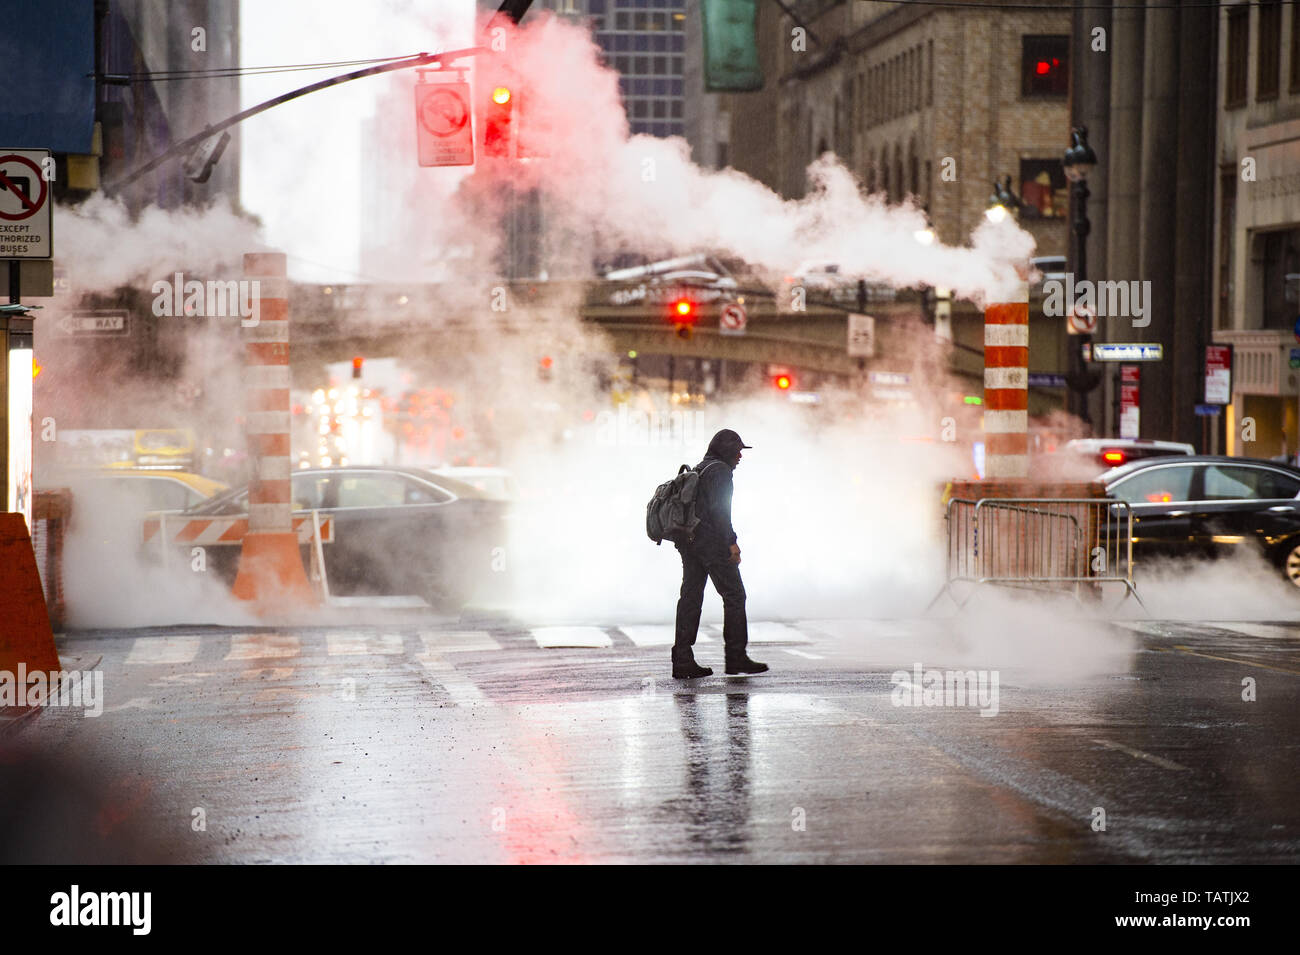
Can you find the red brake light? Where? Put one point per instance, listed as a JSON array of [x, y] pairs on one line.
[[1113, 457]]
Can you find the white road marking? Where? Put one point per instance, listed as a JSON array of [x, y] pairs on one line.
[[135, 703], [159, 651], [462, 690], [347, 643], [1266, 630], [554, 637], [260, 646], [803, 653], [1139, 754], [763, 631], [651, 635], [457, 641]]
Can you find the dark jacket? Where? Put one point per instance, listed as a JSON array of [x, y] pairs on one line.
[[714, 535]]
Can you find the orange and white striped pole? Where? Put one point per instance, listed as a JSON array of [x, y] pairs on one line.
[[1006, 387], [271, 572]]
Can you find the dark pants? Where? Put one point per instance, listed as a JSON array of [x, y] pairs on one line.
[[726, 580]]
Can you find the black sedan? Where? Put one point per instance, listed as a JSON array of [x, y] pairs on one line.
[[1207, 506], [396, 531]]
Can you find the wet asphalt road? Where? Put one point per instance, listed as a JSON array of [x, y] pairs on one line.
[[432, 741]]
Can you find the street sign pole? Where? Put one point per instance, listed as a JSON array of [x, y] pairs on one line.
[[25, 213]]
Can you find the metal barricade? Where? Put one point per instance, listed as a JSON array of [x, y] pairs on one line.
[[1076, 545]]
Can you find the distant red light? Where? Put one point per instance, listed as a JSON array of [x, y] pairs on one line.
[[683, 309], [1113, 457], [547, 362], [783, 382], [1041, 67]]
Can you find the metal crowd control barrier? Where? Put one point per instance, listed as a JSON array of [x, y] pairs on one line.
[[1076, 545]]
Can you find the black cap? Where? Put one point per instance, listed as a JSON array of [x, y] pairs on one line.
[[727, 442]]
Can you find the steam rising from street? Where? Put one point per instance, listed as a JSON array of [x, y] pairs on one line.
[[836, 513]]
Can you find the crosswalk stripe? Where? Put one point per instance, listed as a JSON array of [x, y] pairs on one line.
[[351, 643], [767, 632], [261, 646], [651, 635], [554, 637], [457, 641], [163, 650], [1267, 630], [462, 690]]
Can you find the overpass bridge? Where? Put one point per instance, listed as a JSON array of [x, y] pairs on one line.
[[334, 323]]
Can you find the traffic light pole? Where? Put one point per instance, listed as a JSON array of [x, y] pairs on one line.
[[510, 10]]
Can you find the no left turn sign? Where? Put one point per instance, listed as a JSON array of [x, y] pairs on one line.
[[1081, 320], [25, 222], [732, 319]]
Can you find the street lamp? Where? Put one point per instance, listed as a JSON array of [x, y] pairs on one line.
[[1003, 203], [1078, 161]]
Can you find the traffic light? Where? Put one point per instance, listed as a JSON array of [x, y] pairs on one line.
[[783, 381], [544, 368], [498, 123], [356, 366], [683, 315]]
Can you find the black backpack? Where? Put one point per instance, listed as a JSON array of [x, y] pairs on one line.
[[670, 515]]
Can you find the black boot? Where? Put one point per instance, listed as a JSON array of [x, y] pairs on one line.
[[744, 666], [685, 667]]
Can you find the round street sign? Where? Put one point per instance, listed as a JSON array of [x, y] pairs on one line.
[[443, 111], [1081, 320], [732, 319], [20, 188]]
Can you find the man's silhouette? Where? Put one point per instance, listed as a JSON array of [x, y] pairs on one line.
[[712, 553]]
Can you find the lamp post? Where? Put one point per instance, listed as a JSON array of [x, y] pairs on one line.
[[1078, 162], [1003, 202]]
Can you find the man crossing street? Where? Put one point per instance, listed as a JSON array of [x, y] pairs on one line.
[[713, 554]]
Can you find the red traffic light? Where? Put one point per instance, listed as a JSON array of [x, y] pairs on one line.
[[782, 382], [356, 366], [498, 139]]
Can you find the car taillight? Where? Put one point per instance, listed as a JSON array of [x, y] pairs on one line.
[[1113, 457]]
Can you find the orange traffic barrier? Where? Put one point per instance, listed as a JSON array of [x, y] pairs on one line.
[[271, 573], [25, 634]]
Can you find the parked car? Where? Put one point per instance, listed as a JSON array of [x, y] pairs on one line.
[[1112, 452], [1209, 506], [496, 483], [396, 531], [141, 490]]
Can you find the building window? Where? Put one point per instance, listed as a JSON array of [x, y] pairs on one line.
[[1043, 190], [1281, 278], [1295, 51], [1234, 91], [1268, 60], [1045, 65], [929, 66]]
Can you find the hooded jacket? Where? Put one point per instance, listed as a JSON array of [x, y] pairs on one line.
[[715, 535]]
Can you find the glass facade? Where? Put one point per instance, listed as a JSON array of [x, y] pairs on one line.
[[644, 41]]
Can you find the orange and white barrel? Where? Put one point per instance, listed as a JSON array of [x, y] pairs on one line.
[[270, 567], [1006, 388]]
